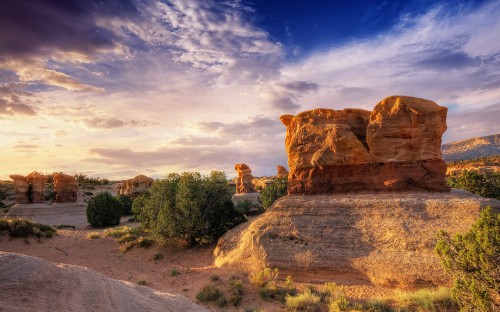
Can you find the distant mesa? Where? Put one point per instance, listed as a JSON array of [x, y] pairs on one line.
[[472, 148], [395, 147], [135, 187], [66, 188]]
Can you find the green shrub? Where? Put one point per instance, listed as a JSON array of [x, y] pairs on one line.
[[305, 301], [157, 256], [278, 188], [483, 184], [127, 204], [243, 206], [104, 210], [142, 282], [210, 293], [190, 207], [174, 272], [18, 227], [474, 260], [236, 286]]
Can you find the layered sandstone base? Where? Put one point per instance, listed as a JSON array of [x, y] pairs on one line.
[[417, 175], [73, 214], [380, 238]]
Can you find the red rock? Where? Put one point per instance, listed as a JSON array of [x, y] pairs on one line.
[[244, 180], [282, 172], [65, 187], [37, 181], [21, 187], [136, 186]]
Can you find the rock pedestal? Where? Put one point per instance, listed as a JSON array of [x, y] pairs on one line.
[[30, 189], [65, 187], [244, 179], [396, 147], [21, 188]]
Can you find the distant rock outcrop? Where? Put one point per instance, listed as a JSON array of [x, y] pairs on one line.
[[135, 187], [244, 179], [282, 172], [30, 189], [472, 148], [33, 284], [385, 238], [65, 187], [396, 147]]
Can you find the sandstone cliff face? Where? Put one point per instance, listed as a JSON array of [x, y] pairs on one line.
[[244, 179], [65, 187], [135, 187], [385, 238], [394, 148]]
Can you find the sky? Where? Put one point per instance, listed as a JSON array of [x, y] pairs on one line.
[[112, 88]]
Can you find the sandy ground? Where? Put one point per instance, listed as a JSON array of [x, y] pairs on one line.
[[195, 266]]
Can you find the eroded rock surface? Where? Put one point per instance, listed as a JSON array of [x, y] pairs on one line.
[[30, 189], [396, 147], [244, 180], [282, 172], [21, 187], [136, 186], [65, 187]]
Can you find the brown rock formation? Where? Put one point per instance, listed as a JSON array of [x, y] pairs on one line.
[[282, 172], [394, 148], [136, 186], [65, 187], [244, 179], [37, 181], [21, 187], [384, 238], [30, 189]]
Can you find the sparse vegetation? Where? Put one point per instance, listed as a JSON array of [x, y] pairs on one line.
[[436, 300], [127, 204], [214, 278], [104, 210], [93, 235], [174, 272], [474, 260], [84, 181], [157, 256], [267, 281], [305, 301], [18, 227], [142, 282], [130, 237], [210, 293], [277, 189], [190, 207], [484, 184], [236, 287]]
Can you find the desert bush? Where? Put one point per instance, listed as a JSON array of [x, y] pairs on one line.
[[264, 277], [157, 256], [236, 287], [278, 188], [142, 282], [474, 260], [126, 202], [174, 272], [305, 301], [435, 300], [130, 237], [214, 278], [210, 293], [484, 184], [85, 181], [103, 210], [18, 227], [190, 207]]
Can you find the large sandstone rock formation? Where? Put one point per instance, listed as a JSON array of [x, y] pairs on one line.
[[136, 186], [282, 172], [396, 147], [30, 189], [244, 179], [65, 187], [384, 238], [32, 284]]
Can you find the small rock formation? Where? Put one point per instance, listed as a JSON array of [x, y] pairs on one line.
[[396, 147], [282, 172], [30, 189], [65, 187], [135, 187], [244, 179], [21, 187]]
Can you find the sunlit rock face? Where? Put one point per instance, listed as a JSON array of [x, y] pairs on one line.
[[66, 188], [282, 172], [244, 180], [30, 189], [396, 147], [136, 186]]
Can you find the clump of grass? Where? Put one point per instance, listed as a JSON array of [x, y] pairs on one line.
[[142, 282], [18, 227], [174, 272], [236, 286], [305, 301], [214, 278], [93, 235], [157, 256], [438, 299], [267, 280], [129, 237], [210, 293], [264, 277]]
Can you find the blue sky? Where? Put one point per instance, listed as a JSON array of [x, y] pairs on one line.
[[117, 88]]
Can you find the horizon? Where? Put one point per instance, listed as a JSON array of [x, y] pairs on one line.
[[114, 89]]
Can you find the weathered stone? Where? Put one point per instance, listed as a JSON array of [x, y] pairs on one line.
[[282, 172], [396, 149], [244, 179], [136, 186], [37, 181], [21, 187], [65, 187], [383, 238]]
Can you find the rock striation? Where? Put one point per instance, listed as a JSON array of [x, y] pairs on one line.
[[135, 187], [66, 188], [30, 189], [244, 179], [395, 147], [385, 238]]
